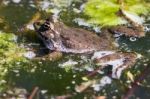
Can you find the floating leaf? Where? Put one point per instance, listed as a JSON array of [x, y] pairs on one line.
[[85, 78], [141, 9], [130, 76], [105, 12]]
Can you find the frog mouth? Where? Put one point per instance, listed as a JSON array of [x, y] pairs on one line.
[[47, 42]]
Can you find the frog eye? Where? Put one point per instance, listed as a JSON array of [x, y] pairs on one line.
[[46, 26]]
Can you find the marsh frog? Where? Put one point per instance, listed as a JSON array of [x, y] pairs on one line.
[[59, 37]]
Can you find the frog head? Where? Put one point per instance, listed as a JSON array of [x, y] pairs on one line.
[[46, 32]]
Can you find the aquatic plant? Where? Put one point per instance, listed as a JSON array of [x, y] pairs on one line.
[[11, 56], [106, 12]]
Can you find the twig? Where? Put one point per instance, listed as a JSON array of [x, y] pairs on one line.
[[93, 73], [33, 93], [139, 79], [133, 23]]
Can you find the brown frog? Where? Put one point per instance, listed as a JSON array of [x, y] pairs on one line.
[[128, 31], [59, 37]]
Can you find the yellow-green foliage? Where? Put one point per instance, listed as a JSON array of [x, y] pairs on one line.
[[9, 50], [136, 6], [10, 56], [104, 12]]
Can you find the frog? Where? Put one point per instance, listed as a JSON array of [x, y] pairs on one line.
[[128, 31], [57, 36]]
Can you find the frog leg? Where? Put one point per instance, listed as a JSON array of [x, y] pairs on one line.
[[119, 61], [117, 70]]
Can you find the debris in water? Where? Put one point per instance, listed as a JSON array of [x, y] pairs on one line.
[[68, 87], [97, 29], [16, 1], [74, 76], [130, 76], [76, 10], [82, 7], [102, 97], [55, 12], [96, 87], [85, 78], [29, 54], [132, 39], [89, 68], [5, 2], [44, 91], [84, 85], [45, 4], [73, 82], [81, 22], [104, 81], [68, 63]]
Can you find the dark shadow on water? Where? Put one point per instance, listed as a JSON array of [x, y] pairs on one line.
[[16, 15], [47, 76]]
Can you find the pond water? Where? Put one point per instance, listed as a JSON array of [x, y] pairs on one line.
[[50, 75]]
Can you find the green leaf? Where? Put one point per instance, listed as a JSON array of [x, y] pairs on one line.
[[139, 9], [104, 12]]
